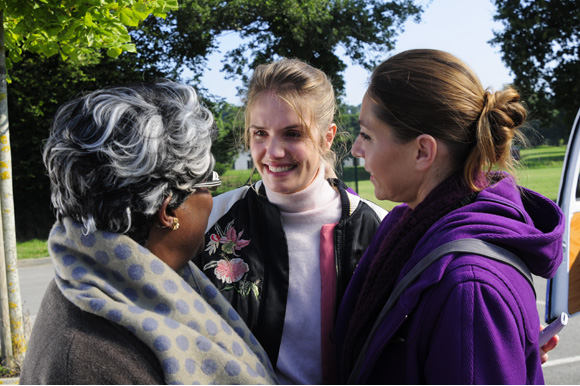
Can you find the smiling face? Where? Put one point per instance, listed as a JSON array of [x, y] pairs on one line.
[[283, 154], [390, 162]]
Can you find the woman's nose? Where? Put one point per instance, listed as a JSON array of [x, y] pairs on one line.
[[275, 148], [357, 149]]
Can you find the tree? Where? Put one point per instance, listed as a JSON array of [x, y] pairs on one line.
[[31, 115], [230, 121], [53, 82], [76, 30], [540, 43], [165, 47], [348, 129], [310, 30]]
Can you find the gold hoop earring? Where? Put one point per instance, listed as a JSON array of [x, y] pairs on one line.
[[175, 223]]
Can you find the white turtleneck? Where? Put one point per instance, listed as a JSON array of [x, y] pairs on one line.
[[303, 215]]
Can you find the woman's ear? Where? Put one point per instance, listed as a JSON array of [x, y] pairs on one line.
[[330, 134], [165, 215], [425, 151]]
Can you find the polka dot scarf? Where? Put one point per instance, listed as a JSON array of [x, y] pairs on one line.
[[192, 329]]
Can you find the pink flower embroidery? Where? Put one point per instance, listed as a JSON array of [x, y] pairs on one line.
[[231, 271], [233, 241]]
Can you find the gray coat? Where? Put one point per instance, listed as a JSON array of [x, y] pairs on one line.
[[71, 346]]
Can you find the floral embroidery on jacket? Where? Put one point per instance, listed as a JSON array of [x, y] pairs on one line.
[[231, 271]]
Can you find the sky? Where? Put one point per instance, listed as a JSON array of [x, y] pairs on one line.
[[461, 27]]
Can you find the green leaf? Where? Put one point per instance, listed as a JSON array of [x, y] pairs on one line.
[[129, 47], [171, 5], [49, 49], [141, 11], [114, 52], [89, 20], [127, 18], [90, 39], [67, 50]]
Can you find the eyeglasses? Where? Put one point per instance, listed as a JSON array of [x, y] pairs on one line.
[[210, 183]]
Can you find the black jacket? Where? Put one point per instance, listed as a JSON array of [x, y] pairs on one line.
[[259, 254]]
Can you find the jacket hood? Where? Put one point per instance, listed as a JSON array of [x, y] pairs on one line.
[[518, 219]]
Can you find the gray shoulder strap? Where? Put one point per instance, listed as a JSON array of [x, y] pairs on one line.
[[475, 246]]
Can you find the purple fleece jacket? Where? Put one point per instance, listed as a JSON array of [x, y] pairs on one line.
[[467, 319]]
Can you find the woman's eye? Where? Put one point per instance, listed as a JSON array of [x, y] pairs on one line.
[[364, 136], [259, 133], [294, 134]]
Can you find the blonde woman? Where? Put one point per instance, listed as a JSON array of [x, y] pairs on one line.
[[283, 250]]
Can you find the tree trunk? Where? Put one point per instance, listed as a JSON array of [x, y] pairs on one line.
[[7, 206], [5, 330]]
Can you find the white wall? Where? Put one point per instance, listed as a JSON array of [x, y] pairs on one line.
[[243, 162]]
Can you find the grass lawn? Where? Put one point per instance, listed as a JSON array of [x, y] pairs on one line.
[[543, 180], [367, 191], [541, 171], [233, 179], [32, 249]]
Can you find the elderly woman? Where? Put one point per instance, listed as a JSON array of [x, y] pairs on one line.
[[130, 168]]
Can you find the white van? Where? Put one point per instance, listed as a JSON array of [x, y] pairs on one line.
[[563, 293]]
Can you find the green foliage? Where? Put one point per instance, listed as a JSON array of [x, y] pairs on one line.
[[227, 145], [76, 30], [40, 85], [554, 132], [348, 129], [541, 172], [540, 44], [90, 34], [6, 372], [176, 43], [38, 34], [310, 30], [350, 174]]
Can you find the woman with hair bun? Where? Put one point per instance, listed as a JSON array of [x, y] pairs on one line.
[[433, 138]]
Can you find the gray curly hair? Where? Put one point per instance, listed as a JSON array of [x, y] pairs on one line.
[[113, 155]]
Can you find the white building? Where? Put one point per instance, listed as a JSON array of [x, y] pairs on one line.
[[244, 161]]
